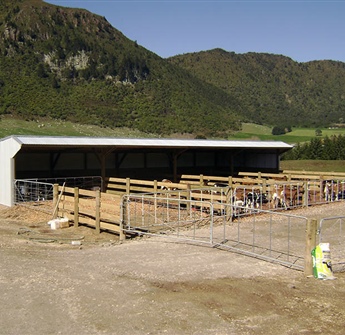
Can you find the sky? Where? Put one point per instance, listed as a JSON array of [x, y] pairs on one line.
[[301, 30]]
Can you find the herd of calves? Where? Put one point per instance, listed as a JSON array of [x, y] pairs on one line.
[[284, 196]]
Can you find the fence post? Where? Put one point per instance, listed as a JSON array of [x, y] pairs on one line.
[[76, 207], [188, 196], [55, 199], [122, 218], [305, 196], [128, 185], [229, 202], [264, 186], [98, 209], [309, 246]]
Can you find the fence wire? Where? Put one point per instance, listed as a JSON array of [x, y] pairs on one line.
[[32, 191]]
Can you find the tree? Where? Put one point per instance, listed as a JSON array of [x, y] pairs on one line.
[[318, 132], [315, 149], [278, 130]]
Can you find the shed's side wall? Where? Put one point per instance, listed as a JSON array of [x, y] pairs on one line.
[[8, 150]]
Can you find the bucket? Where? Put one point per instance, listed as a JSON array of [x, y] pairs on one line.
[[322, 265]]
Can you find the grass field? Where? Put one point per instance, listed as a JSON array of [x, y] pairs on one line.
[[313, 165], [297, 135], [250, 131], [10, 126]]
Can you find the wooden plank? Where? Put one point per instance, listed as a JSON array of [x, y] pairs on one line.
[[87, 211], [190, 176], [110, 197], [87, 221], [69, 190], [110, 216], [116, 180], [121, 188], [110, 226], [68, 198], [87, 202], [110, 207], [68, 206], [87, 193], [190, 182]]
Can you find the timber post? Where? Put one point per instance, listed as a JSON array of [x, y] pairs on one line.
[[55, 199], [76, 207], [310, 244], [98, 210]]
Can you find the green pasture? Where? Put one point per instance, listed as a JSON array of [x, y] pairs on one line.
[[297, 135], [10, 126], [313, 165]]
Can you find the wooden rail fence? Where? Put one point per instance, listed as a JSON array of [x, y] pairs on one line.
[[102, 210]]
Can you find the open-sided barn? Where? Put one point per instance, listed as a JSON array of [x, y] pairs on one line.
[[32, 157]]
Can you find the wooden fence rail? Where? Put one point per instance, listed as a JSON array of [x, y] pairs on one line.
[[102, 210], [91, 208]]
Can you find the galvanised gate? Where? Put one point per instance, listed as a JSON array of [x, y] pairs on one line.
[[272, 235]]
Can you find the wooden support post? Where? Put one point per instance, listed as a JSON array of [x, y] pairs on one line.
[[188, 191], [56, 206], [122, 234], [98, 211], [310, 244], [128, 185], [122, 218], [228, 208], [76, 207], [305, 196], [55, 199], [155, 189], [201, 180]]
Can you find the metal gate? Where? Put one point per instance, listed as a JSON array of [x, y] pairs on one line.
[[269, 235], [331, 230]]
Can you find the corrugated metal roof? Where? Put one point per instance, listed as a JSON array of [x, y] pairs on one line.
[[144, 142]]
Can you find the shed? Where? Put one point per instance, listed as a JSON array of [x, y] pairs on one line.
[[29, 157]]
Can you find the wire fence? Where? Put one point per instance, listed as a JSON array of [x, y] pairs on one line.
[[41, 189]]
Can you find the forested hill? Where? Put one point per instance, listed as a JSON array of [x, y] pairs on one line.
[[70, 64], [274, 89]]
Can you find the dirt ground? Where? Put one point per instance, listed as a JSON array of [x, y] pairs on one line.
[[72, 281]]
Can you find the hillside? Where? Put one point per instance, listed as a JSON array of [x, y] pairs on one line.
[[67, 64], [70, 64], [274, 89]]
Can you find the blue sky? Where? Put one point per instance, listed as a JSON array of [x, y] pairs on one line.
[[301, 30]]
